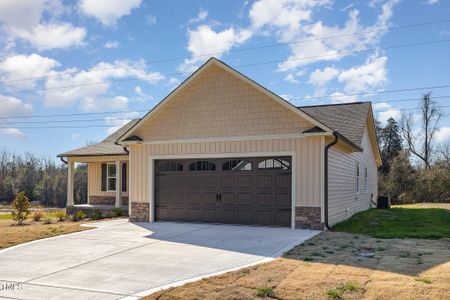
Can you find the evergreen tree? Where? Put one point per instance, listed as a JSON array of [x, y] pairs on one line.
[[391, 144]]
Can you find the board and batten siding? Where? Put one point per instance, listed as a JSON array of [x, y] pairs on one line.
[[308, 160], [95, 180], [343, 200]]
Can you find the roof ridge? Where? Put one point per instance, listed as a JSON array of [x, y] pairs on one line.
[[335, 104]]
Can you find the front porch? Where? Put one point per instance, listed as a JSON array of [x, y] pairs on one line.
[[107, 183]]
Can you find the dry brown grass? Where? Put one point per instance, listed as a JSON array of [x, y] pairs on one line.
[[399, 269], [11, 234]]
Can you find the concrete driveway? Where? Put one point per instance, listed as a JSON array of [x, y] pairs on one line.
[[120, 259]]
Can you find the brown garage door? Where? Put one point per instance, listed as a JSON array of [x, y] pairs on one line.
[[253, 191]]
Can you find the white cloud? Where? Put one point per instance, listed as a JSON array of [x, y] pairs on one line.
[[111, 45], [76, 136], [25, 66], [13, 107], [381, 106], [201, 16], [108, 11], [204, 41], [117, 121], [431, 2], [13, 132], [443, 134], [292, 20], [101, 104], [320, 77], [84, 90], [366, 77], [141, 95], [22, 20], [291, 78]]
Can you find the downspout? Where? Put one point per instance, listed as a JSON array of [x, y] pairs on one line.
[[328, 146], [63, 160]]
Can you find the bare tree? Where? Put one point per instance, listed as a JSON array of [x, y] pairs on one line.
[[419, 139]]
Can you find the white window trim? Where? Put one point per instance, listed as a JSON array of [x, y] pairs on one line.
[[108, 177]]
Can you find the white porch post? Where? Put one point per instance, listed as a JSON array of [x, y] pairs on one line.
[[70, 167], [118, 183]]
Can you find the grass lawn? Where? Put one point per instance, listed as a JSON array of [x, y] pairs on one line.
[[332, 265], [399, 222], [11, 234], [342, 265]]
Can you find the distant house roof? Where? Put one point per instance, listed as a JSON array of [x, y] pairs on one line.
[[347, 119], [105, 147]]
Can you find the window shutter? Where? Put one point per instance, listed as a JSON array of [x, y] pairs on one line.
[[103, 177], [124, 177]]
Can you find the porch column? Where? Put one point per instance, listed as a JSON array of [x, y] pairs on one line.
[[70, 167], [118, 183]]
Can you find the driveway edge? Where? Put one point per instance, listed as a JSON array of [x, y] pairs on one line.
[[272, 257]]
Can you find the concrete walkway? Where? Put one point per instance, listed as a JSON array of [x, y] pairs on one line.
[[120, 259]]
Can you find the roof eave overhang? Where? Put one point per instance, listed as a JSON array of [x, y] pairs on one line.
[[224, 66]]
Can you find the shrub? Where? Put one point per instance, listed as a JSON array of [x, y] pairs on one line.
[[117, 212], [107, 214], [21, 208], [96, 214], [61, 216], [48, 221], [265, 292], [38, 215], [79, 215]]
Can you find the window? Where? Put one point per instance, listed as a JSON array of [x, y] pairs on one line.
[[366, 180], [357, 177], [202, 165], [111, 177], [237, 165], [170, 166], [274, 164]]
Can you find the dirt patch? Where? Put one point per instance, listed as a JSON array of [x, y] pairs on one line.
[[336, 265], [12, 234]]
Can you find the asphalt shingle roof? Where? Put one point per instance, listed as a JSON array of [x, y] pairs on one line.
[[105, 147], [348, 119]]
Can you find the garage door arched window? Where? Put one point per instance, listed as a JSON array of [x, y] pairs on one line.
[[274, 164], [237, 165], [170, 166], [202, 165]]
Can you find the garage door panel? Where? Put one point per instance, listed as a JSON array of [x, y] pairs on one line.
[[283, 200], [283, 181], [244, 199], [264, 181], [234, 194], [245, 181], [264, 199], [227, 181]]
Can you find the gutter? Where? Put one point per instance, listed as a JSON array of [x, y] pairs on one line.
[[63, 160], [334, 142]]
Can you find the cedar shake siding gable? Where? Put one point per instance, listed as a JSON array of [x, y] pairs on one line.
[[218, 104], [217, 101]]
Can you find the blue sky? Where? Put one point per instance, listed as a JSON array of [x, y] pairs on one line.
[[54, 53]]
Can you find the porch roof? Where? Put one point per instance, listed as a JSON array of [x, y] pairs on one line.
[[107, 147]]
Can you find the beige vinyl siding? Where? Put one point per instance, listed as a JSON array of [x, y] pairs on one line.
[[309, 151], [219, 104], [343, 200], [95, 180]]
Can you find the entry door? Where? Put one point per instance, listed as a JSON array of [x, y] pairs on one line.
[[250, 191]]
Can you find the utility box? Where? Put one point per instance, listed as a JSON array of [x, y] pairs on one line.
[[384, 202]]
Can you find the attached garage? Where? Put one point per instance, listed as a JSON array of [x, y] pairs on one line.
[[245, 190]]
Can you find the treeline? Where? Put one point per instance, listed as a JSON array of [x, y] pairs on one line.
[[415, 168], [41, 179]]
